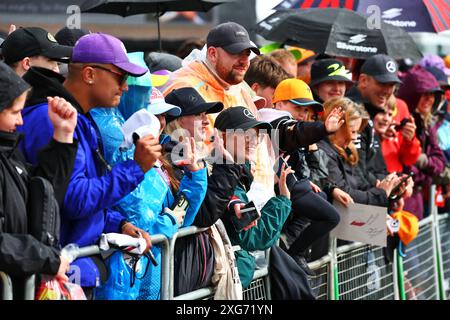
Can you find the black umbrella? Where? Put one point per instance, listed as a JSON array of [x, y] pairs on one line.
[[337, 32], [159, 7]]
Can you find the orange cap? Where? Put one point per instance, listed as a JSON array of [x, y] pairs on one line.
[[447, 60], [301, 54], [297, 92], [409, 226]]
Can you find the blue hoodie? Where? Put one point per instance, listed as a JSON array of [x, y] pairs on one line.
[[93, 190]]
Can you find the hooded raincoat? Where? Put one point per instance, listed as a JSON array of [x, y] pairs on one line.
[[416, 82]]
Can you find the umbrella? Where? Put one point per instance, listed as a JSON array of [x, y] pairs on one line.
[[159, 7], [414, 16], [337, 32]]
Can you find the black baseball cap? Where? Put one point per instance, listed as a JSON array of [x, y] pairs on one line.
[[191, 102], [12, 86], [33, 41], [68, 37], [239, 118], [329, 70], [382, 67], [231, 37]]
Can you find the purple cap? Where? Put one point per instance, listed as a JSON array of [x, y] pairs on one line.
[[432, 60], [103, 48]]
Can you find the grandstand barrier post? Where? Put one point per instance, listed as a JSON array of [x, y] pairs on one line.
[[267, 277], [7, 289], [29, 287], [395, 273], [334, 286], [444, 243], [436, 241], [401, 277]]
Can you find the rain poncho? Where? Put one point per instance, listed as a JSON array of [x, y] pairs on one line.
[[144, 206]]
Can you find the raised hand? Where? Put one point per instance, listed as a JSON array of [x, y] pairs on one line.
[[190, 159], [147, 151], [221, 152], [282, 185], [63, 116], [334, 120], [409, 129]]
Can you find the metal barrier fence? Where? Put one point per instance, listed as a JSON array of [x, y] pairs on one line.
[[352, 272], [321, 283], [444, 236], [259, 288], [419, 266], [363, 273]]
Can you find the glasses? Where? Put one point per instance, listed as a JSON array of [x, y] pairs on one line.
[[122, 76]]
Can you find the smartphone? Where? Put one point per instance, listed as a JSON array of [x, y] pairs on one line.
[[249, 213], [393, 195], [402, 123], [291, 178], [180, 204]]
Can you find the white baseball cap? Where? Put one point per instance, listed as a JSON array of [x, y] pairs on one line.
[[158, 105], [142, 123]]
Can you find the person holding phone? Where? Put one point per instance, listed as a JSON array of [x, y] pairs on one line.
[[239, 130]]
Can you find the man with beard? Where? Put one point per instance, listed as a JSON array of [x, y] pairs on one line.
[[219, 76], [376, 83]]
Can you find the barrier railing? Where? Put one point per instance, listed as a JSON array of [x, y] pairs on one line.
[[352, 272], [363, 273], [6, 284], [444, 236], [259, 288]]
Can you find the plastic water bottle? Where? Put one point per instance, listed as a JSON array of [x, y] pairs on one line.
[[70, 252]]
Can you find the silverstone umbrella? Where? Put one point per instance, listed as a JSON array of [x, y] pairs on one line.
[[337, 32], [413, 16], [159, 7]]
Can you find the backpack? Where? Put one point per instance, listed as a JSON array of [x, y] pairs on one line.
[[43, 212]]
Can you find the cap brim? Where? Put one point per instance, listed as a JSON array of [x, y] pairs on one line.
[[208, 107], [159, 108], [332, 78], [255, 124], [236, 48], [307, 103], [58, 53], [387, 78], [131, 68]]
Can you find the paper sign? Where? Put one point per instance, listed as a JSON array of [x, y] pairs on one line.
[[361, 223]]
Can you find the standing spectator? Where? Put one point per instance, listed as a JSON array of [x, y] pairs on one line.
[[305, 59], [286, 60], [220, 77], [343, 157], [422, 93], [329, 79], [263, 76], [27, 47], [94, 79], [239, 130], [401, 148], [376, 83], [21, 254]]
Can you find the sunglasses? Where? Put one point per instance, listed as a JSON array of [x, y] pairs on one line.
[[122, 76]]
